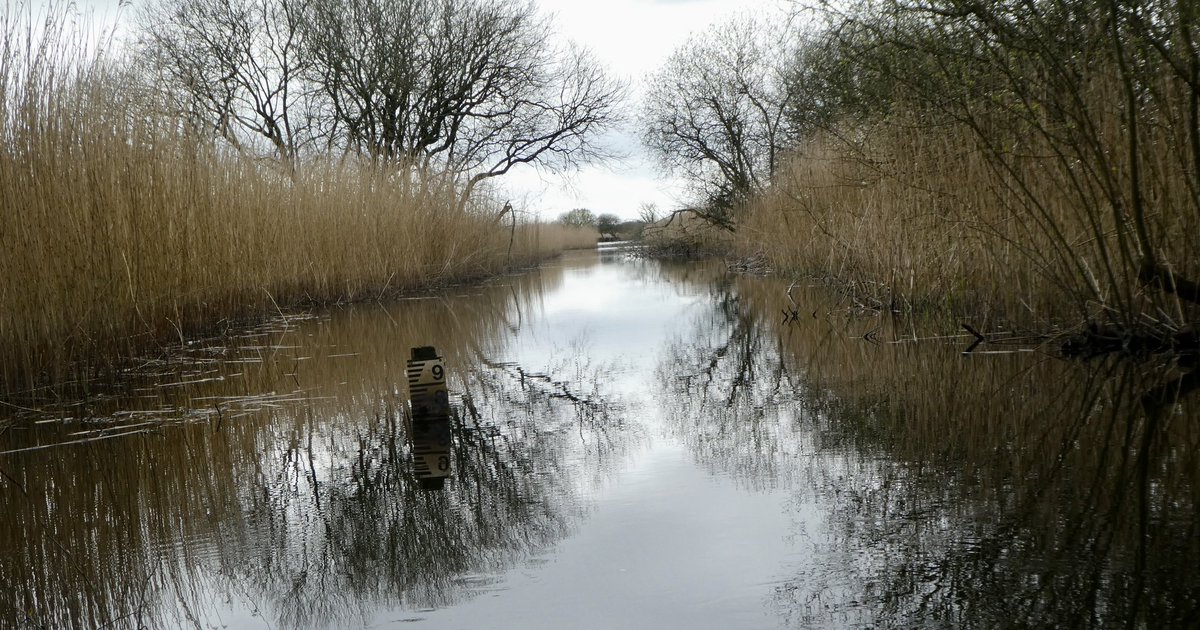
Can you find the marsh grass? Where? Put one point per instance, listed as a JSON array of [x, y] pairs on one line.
[[121, 230], [684, 234], [1000, 203], [542, 239], [888, 228]]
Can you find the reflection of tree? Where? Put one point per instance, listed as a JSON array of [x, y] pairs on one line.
[[382, 541], [727, 391], [364, 534], [565, 399], [302, 505], [1011, 490]]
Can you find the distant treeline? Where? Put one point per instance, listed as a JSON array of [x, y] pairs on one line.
[[1021, 161]]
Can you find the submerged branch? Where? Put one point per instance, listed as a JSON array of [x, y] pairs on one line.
[[1157, 275]]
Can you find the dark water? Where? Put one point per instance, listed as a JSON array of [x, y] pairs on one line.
[[633, 445]]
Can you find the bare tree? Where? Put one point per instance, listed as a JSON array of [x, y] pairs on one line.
[[716, 112], [470, 88], [463, 88], [233, 67], [648, 212], [1102, 94], [607, 224], [579, 217]]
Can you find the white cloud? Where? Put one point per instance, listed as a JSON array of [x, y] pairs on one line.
[[632, 38]]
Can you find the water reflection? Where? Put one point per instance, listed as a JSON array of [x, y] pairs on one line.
[[957, 491], [1071, 507], [269, 476], [728, 391]]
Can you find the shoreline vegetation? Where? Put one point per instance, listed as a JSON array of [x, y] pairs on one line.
[[1029, 166], [125, 230]]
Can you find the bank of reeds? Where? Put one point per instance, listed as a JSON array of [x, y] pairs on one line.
[[121, 230], [1034, 183], [685, 234], [921, 218], [898, 225]]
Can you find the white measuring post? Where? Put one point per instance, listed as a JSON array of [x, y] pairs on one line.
[[429, 429]]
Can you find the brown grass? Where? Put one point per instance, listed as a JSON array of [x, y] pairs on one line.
[[915, 211], [121, 231], [884, 226], [551, 238], [685, 234]]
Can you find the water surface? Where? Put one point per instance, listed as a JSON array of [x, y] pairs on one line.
[[634, 444]]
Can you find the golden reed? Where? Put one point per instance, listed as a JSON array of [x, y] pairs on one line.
[[121, 230]]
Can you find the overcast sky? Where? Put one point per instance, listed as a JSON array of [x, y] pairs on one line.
[[631, 38]]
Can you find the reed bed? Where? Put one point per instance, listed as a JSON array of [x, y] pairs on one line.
[[122, 230], [889, 228], [1000, 220], [545, 239], [685, 234]]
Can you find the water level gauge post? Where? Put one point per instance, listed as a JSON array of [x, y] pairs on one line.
[[429, 429]]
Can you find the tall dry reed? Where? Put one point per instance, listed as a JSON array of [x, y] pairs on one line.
[[887, 225], [918, 216], [120, 230], [1032, 182]]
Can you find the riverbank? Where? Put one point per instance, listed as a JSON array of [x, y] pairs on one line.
[[981, 161], [157, 243], [124, 229], [893, 227]]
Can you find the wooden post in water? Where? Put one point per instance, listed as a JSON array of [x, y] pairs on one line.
[[429, 418]]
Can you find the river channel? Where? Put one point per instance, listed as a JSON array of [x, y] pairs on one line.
[[631, 444]]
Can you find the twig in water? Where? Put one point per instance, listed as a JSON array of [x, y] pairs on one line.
[[379, 297], [978, 338]]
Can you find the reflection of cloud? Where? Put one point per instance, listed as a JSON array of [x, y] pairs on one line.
[[278, 483], [600, 303]]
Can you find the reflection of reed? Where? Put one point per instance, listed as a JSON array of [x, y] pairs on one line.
[[960, 491], [1043, 511], [292, 494], [1001, 490]]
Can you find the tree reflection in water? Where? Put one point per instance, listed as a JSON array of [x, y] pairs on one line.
[[278, 481], [986, 491], [980, 491], [381, 541], [729, 394]]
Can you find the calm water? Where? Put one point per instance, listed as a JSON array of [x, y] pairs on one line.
[[633, 445]]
